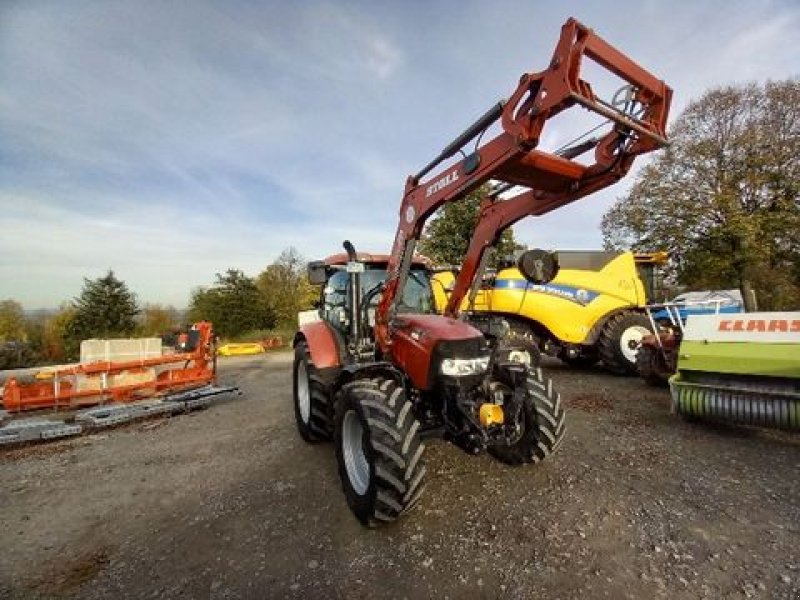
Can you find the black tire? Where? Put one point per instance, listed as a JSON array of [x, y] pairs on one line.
[[520, 339], [651, 366], [312, 413], [543, 423], [616, 344], [392, 471]]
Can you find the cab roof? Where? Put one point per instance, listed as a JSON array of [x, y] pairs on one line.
[[374, 259]]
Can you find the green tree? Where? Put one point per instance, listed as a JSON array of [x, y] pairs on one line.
[[448, 234], [233, 304], [12, 321], [156, 320], [106, 308], [285, 287], [57, 344], [723, 198]]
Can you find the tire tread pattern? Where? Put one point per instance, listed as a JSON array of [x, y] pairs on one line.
[[393, 446], [320, 425], [608, 344], [544, 424]]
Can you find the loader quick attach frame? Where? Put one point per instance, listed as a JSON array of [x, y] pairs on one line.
[[636, 126]]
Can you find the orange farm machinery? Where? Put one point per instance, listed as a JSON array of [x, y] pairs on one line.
[[131, 381]]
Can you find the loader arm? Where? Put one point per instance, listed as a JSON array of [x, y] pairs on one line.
[[512, 159]]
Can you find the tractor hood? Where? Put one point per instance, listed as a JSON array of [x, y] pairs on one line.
[[435, 327], [417, 338]]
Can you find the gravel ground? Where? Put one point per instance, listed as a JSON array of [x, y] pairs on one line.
[[230, 503]]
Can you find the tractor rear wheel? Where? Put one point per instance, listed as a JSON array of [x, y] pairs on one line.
[[620, 340], [542, 422], [312, 411], [378, 450]]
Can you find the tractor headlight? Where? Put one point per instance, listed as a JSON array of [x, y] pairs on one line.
[[459, 367]]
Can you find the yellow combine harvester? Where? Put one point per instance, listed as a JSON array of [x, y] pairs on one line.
[[593, 310]]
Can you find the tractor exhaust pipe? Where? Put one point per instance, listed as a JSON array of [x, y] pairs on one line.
[[354, 272]]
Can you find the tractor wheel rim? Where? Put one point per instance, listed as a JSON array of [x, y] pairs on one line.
[[355, 461], [303, 393], [629, 342]]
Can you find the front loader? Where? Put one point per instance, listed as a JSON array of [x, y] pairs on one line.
[[381, 371]]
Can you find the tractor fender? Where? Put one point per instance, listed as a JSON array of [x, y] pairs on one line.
[[322, 344], [380, 368]]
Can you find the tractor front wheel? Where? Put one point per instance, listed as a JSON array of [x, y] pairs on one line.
[[542, 422], [378, 450]]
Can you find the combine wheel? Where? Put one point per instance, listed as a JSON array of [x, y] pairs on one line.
[[652, 366], [542, 423], [378, 450], [311, 401], [521, 345], [620, 341]]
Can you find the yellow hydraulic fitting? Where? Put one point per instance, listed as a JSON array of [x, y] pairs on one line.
[[491, 414]]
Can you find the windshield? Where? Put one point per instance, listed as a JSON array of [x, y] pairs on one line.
[[416, 297]]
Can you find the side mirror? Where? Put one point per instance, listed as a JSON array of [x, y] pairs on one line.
[[317, 272], [538, 266]]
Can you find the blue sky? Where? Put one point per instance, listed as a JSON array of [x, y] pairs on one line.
[[171, 140]]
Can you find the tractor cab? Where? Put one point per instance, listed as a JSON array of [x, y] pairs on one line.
[[336, 298]]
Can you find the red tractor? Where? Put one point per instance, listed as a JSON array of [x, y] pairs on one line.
[[380, 371]]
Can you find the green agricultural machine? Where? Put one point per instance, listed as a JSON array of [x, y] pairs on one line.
[[742, 369]]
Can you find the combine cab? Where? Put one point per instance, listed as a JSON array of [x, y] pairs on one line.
[[742, 369]]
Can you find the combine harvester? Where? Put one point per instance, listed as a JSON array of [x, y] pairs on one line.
[[593, 310], [742, 369], [115, 382]]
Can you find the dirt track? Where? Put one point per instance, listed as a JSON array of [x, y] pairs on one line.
[[230, 503]]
